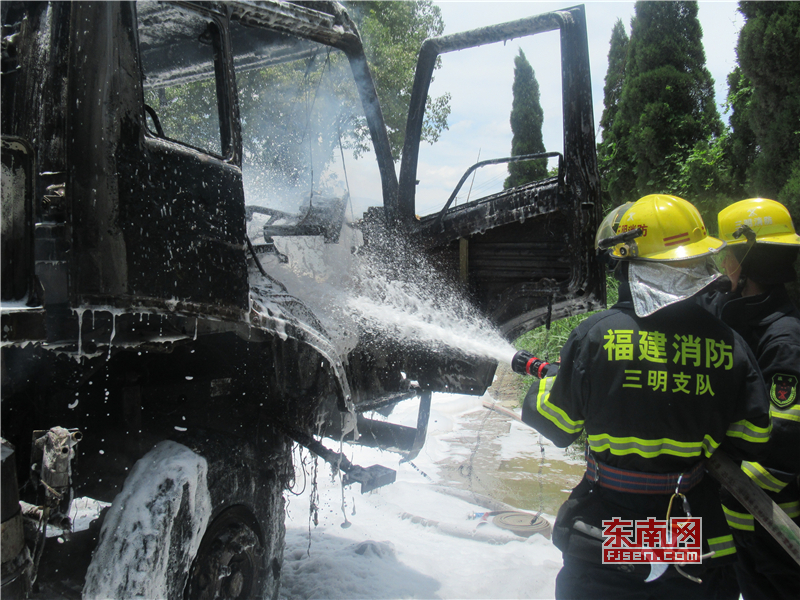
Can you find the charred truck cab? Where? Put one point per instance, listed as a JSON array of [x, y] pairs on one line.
[[170, 213]]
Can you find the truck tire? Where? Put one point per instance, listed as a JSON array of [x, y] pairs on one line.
[[229, 563], [154, 527], [241, 553], [195, 520]]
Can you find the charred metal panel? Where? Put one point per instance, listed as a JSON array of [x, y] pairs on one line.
[[507, 207], [34, 109], [17, 218], [125, 401], [375, 370], [34, 90], [102, 105], [323, 22], [523, 262], [182, 215], [22, 318], [453, 372]]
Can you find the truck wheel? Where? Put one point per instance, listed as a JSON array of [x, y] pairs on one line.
[[229, 563], [241, 551], [194, 521], [154, 527]]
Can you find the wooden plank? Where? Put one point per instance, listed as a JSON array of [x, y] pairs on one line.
[[463, 259]]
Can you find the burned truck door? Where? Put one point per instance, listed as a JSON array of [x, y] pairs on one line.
[[193, 222], [525, 254]]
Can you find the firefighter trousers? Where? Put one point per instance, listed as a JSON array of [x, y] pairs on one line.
[[765, 569]]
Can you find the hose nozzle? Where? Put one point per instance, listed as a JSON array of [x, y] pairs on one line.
[[526, 363]]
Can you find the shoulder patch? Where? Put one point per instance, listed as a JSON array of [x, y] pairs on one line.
[[783, 390]]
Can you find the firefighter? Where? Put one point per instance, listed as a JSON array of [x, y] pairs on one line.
[[759, 260], [657, 384]]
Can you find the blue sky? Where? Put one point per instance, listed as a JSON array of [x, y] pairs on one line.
[[479, 81]]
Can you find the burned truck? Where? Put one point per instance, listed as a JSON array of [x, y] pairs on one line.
[[171, 215]]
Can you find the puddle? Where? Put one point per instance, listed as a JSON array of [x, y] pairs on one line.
[[496, 457], [526, 489]]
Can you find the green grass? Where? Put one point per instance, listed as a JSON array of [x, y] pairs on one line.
[[546, 345]]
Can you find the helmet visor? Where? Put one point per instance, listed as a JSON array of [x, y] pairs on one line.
[[610, 224]]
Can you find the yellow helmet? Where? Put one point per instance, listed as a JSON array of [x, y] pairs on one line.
[[769, 220], [671, 230]]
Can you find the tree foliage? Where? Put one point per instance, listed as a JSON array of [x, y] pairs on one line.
[[704, 176], [189, 113], [615, 76], [612, 92], [742, 148], [393, 33], [667, 102], [527, 117], [294, 116], [768, 114]]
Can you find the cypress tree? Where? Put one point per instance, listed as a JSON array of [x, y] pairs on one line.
[[612, 91], [611, 157], [527, 117], [667, 104], [742, 144], [769, 57]]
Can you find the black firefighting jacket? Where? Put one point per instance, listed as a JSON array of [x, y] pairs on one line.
[[770, 324], [654, 395]]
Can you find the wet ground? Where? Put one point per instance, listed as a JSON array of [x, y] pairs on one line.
[[518, 467]]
